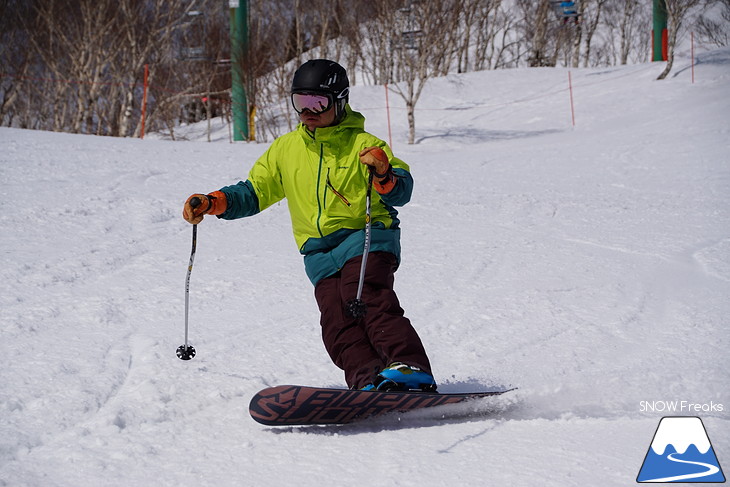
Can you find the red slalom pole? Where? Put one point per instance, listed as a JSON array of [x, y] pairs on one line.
[[572, 107]]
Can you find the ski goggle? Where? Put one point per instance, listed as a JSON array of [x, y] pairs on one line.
[[310, 101]]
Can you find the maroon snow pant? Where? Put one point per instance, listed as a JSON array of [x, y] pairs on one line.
[[363, 347]]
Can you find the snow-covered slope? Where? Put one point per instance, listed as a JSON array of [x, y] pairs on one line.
[[589, 266]]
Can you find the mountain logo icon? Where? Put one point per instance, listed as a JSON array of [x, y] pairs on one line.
[[681, 452]]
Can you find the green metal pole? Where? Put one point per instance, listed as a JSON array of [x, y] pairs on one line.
[[659, 31], [239, 49]]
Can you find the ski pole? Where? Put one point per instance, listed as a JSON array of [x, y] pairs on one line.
[[356, 307], [186, 351]]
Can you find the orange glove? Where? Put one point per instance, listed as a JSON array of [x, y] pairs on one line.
[[377, 162], [214, 203]]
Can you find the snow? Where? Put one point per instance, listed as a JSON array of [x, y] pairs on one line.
[[589, 266], [689, 430]]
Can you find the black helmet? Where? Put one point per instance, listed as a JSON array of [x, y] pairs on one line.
[[324, 77]]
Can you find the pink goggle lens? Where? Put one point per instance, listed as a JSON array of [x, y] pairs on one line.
[[313, 103]]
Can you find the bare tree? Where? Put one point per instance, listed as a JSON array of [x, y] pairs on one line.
[[591, 19], [504, 46], [539, 26], [622, 19], [629, 28], [543, 36], [677, 12], [16, 62], [279, 44], [577, 35], [713, 28], [466, 13], [77, 65], [420, 50], [480, 23], [90, 54], [149, 30], [377, 38], [74, 40]]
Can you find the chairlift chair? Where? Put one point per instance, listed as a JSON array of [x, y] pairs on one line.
[[565, 10], [193, 37]]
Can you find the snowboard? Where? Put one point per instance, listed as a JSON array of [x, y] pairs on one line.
[[291, 405]]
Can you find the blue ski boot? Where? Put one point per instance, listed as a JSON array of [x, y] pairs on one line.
[[401, 377]]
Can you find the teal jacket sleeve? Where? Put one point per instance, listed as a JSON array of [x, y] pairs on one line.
[[242, 201], [401, 192]]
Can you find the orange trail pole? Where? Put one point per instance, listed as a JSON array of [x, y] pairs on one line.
[[572, 108]]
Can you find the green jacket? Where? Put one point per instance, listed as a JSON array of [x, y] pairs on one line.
[[325, 185]]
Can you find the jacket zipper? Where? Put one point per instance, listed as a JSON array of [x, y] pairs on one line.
[[322, 200], [319, 180]]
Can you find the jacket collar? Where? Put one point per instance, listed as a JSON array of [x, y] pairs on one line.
[[353, 120]]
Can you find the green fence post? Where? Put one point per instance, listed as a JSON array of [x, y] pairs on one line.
[[239, 49], [659, 33]]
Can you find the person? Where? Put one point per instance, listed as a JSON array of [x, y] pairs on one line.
[[321, 168]]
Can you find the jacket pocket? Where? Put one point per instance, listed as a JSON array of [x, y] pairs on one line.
[[337, 193]]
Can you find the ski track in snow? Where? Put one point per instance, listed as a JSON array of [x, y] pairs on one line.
[[711, 470], [587, 266]]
